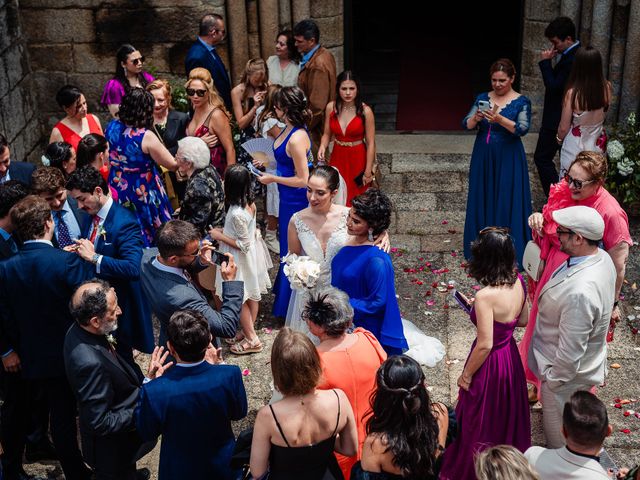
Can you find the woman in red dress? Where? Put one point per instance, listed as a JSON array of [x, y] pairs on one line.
[[78, 122], [352, 126]]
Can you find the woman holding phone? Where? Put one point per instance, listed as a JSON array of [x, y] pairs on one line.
[[499, 192]]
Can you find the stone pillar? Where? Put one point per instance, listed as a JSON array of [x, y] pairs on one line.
[[253, 29], [238, 38], [268, 13], [601, 28], [284, 8], [571, 9], [300, 9], [585, 23], [631, 76], [616, 57]]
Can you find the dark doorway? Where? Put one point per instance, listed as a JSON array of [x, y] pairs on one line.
[[422, 67]]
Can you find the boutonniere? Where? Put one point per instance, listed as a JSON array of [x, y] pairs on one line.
[[102, 232], [112, 340]]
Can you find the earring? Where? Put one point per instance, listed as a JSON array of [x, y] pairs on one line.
[[370, 237]]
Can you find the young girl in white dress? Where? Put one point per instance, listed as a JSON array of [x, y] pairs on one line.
[[241, 238]]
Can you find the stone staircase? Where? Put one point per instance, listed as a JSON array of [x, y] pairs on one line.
[[426, 177]]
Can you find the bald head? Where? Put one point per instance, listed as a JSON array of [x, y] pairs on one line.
[[90, 301]]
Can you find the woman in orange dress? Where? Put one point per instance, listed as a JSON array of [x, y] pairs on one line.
[[352, 126], [349, 360]]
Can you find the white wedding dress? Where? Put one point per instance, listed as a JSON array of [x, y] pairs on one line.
[[427, 351]]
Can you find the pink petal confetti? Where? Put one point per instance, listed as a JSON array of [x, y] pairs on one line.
[[445, 306], [394, 250], [421, 259], [246, 372], [622, 297], [427, 293], [399, 254], [625, 430], [454, 254], [463, 265], [434, 284], [618, 405], [476, 287], [267, 330], [444, 222], [419, 282], [431, 303]]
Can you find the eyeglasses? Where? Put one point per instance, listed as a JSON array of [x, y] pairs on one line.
[[564, 232], [576, 183], [137, 61], [193, 92], [503, 230], [195, 254]]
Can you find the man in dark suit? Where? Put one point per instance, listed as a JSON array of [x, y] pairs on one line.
[[203, 54], [104, 384], [35, 287], [112, 241], [48, 183], [166, 280], [9, 170], [561, 32], [11, 193], [192, 405]]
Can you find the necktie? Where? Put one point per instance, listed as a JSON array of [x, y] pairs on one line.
[[64, 238], [94, 231]]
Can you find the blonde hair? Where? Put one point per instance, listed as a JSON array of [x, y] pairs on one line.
[[503, 462], [269, 110], [255, 65], [161, 84], [204, 76]]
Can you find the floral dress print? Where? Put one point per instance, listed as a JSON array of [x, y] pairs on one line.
[[586, 134], [136, 178]]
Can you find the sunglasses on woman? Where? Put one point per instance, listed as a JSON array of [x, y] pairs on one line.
[[137, 61], [191, 92], [576, 183]]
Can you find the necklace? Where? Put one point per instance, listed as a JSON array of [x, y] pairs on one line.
[[349, 108]]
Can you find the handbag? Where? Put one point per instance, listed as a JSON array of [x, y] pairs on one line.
[[531, 260]]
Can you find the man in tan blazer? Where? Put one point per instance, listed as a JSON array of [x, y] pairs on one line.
[[317, 77], [568, 350]]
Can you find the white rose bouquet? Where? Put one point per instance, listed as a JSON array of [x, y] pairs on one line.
[[302, 272]]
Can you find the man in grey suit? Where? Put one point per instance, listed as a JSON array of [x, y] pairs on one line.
[[568, 350], [167, 284]]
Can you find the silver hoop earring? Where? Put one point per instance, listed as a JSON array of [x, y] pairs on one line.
[[370, 237]]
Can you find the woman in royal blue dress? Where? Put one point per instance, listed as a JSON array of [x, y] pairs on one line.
[[499, 192], [291, 149], [365, 272], [134, 155]]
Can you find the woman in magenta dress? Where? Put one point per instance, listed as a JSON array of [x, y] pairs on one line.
[[352, 126], [583, 185], [492, 402], [134, 154], [128, 75]]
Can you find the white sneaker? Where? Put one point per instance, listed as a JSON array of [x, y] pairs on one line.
[[272, 241]]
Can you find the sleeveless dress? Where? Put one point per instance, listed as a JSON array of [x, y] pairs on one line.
[[499, 192], [495, 410], [357, 473], [349, 160], [586, 134], [292, 200], [313, 462], [218, 153], [312, 248], [136, 178], [251, 255], [72, 137]]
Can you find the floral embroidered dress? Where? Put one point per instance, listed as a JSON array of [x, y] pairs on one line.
[[586, 134], [136, 178]]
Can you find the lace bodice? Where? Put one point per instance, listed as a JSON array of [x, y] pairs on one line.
[[312, 247]]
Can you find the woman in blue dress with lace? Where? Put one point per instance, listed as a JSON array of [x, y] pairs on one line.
[[134, 151], [366, 274], [292, 149], [499, 192]]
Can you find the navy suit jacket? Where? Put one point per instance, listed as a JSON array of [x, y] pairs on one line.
[[21, 171], [5, 247], [36, 285], [199, 56], [192, 408], [555, 79], [121, 247]]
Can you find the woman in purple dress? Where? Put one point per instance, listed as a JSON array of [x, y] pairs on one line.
[[492, 406]]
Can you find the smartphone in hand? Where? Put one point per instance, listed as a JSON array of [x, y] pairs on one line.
[[484, 105], [462, 300]]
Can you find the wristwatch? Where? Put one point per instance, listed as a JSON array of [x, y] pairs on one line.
[[95, 258]]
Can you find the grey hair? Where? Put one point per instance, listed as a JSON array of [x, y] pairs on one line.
[[194, 150], [330, 309]]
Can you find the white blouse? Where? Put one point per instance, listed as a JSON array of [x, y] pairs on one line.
[[287, 77]]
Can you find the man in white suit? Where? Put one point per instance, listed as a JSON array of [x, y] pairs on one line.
[[568, 351], [585, 426]]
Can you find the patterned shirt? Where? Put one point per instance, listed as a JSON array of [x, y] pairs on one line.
[[203, 202]]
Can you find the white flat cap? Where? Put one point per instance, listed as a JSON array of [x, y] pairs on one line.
[[583, 220]]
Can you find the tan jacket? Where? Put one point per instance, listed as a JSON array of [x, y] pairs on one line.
[[318, 82]]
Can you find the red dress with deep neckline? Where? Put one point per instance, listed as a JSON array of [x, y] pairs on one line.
[[350, 161]]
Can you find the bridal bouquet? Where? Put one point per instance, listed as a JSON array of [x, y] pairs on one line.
[[302, 272]]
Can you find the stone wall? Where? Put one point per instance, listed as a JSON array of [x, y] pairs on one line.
[[74, 41], [19, 121]]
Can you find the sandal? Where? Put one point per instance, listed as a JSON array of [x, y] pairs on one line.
[[245, 347], [238, 338]]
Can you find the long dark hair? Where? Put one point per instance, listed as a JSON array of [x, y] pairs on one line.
[[121, 56], [401, 414], [343, 77], [292, 101], [237, 186], [590, 88], [493, 258]]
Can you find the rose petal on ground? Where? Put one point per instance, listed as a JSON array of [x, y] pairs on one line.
[[431, 303], [476, 287], [454, 254], [625, 430], [267, 330], [444, 222], [393, 250], [246, 372]]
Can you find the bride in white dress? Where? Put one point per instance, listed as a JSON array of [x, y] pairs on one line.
[[319, 232]]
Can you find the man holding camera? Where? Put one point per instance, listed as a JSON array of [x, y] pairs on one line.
[[167, 280]]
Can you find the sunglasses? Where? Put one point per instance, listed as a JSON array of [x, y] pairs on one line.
[[137, 61], [503, 230], [191, 92], [576, 183]]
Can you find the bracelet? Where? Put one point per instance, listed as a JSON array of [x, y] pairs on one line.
[[558, 139]]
